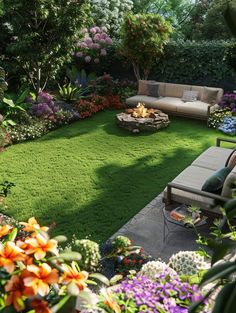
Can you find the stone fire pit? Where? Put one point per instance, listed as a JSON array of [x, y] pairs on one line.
[[133, 121]]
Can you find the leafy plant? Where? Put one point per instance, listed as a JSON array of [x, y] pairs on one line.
[[80, 78], [71, 93], [6, 187], [223, 270], [143, 37]]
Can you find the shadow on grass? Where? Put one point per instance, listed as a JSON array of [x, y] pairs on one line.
[[123, 192]]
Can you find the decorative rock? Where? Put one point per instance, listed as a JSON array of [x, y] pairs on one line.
[[154, 122]]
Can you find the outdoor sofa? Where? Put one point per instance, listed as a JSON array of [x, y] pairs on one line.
[[169, 99], [187, 186]]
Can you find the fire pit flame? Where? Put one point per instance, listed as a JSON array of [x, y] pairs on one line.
[[140, 111]]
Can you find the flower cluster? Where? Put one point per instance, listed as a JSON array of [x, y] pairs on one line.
[[187, 262], [228, 101], [33, 268], [94, 44], [167, 293], [45, 106], [217, 117], [110, 13], [228, 126], [153, 268]]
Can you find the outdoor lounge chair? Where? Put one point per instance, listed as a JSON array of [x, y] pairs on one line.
[[186, 187]]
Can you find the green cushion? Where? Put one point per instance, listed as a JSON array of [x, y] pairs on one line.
[[215, 182]]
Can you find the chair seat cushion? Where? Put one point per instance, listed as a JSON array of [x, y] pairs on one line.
[[213, 158], [193, 177]]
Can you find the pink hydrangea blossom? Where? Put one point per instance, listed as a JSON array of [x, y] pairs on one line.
[[88, 40], [84, 30], [79, 54], [93, 30], [109, 40], [95, 46]]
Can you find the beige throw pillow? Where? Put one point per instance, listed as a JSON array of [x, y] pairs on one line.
[[189, 95], [142, 87], [209, 95]]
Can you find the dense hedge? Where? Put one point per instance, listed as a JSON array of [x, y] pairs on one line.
[[188, 62]]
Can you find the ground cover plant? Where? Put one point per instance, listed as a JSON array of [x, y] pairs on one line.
[[91, 177]]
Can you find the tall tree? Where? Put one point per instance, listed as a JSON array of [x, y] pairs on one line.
[[41, 35]]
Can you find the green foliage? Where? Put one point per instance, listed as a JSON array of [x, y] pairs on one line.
[[45, 39], [80, 77], [222, 273], [230, 16], [6, 187], [121, 243], [71, 93], [194, 63], [143, 37]]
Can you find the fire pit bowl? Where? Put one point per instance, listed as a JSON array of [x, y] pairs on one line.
[[142, 119]]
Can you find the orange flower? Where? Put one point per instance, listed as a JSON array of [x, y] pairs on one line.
[[71, 274], [9, 254], [17, 293], [5, 230], [40, 245], [110, 302], [40, 306], [33, 225], [39, 278]]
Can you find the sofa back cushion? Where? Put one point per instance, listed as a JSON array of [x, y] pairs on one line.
[[175, 90], [210, 95], [162, 89], [142, 87], [199, 89]]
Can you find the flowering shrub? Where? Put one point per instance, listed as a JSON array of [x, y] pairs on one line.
[[34, 276], [165, 294], [87, 107], [228, 101], [110, 13], [228, 126], [94, 44], [217, 117]]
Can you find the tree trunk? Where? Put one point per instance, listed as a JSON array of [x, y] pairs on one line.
[[136, 71], [38, 79]]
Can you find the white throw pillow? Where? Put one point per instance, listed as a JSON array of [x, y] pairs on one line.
[[189, 95]]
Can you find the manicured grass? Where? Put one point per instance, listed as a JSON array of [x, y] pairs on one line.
[[91, 177]]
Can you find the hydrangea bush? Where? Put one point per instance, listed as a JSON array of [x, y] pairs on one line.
[[228, 126], [228, 101], [187, 263], [217, 117], [154, 268], [93, 45], [110, 13]]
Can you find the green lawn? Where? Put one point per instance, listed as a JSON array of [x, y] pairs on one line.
[[91, 177]]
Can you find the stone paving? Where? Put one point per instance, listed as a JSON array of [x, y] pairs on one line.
[[147, 230]]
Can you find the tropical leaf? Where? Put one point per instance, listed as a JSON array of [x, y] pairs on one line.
[[222, 298], [101, 278], [218, 272]]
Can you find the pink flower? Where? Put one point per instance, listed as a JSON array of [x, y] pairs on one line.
[[97, 37], [98, 30], [87, 59], [103, 52], [96, 46], [96, 60], [93, 30], [79, 54], [88, 40], [84, 30], [109, 41]]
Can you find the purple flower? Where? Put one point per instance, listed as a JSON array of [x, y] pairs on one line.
[[88, 40], [79, 54]]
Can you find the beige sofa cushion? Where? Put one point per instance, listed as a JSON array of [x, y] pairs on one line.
[[195, 108], [199, 89], [149, 101], [175, 90], [229, 183], [210, 95], [142, 87], [193, 177], [213, 158], [168, 104]]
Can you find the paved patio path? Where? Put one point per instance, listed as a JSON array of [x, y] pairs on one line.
[[147, 230]]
